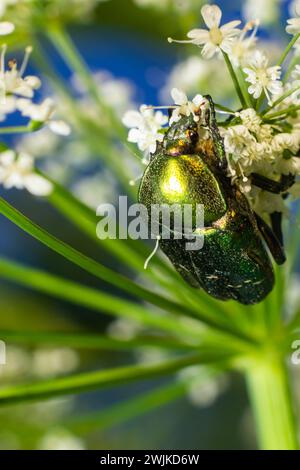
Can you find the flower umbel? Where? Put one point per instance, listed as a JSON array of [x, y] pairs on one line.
[[17, 171], [186, 107], [43, 113], [216, 37], [263, 78], [12, 81], [145, 127]]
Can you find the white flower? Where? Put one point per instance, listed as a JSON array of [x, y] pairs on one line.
[[266, 10], [214, 38], [60, 439], [17, 170], [186, 107], [296, 72], [6, 28], [250, 119], [294, 23], [8, 106], [262, 77], [43, 113], [145, 127], [12, 81], [242, 47]]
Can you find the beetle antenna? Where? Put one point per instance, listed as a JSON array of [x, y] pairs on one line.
[[162, 107], [158, 238]]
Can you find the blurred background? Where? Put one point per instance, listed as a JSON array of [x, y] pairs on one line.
[[124, 42]]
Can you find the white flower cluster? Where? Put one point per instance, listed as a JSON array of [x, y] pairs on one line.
[[17, 171], [263, 136], [146, 126], [17, 92], [255, 147]]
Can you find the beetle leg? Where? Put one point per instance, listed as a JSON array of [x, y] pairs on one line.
[[275, 187], [276, 221], [271, 240], [211, 122]]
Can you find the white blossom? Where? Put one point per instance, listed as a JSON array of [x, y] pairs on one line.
[[267, 11], [43, 113], [6, 27], [12, 81], [242, 47], [8, 106], [186, 107], [216, 37], [146, 126], [60, 439], [17, 171], [263, 78], [293, 26]]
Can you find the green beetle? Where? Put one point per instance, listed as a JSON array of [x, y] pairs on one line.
[[234, 262]]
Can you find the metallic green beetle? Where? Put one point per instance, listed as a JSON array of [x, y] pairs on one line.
[[234, 262]]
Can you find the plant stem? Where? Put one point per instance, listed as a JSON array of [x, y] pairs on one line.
[[288, 48], [15, 130], [90, 381], [128, 409], [279, 100], [282, 112], [68, 51], [234, 79], [272, 406]]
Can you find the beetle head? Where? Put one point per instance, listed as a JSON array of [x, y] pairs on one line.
[[182, 136]]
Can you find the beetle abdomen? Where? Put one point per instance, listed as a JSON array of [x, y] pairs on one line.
[[231, 264], [184, 179]]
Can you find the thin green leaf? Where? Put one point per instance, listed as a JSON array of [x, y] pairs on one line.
[[87, 263], [110, 276], [91, 341], [129, 409], [94, 299], [90, 381]]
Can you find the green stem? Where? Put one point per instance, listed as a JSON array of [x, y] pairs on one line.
[[93, 299], [86, 263], [90, 381], [288, 48], [244, 88], [272, 406], [127, 410], [91, 341], [234, 79], [282, 112], [224, 108], [66, 48], [15, 130], [282, 98]]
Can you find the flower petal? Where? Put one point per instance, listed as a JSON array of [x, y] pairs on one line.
[[209, 50], [37, 185], [179, 96], [199, 36], [6, 28], [231, 25], [60, 127], [212, 15]]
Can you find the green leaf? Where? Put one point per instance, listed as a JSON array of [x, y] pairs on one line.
[[89, 381], [95, 299], [126, 410], [87, 263], [110, 276], [91, 341]]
